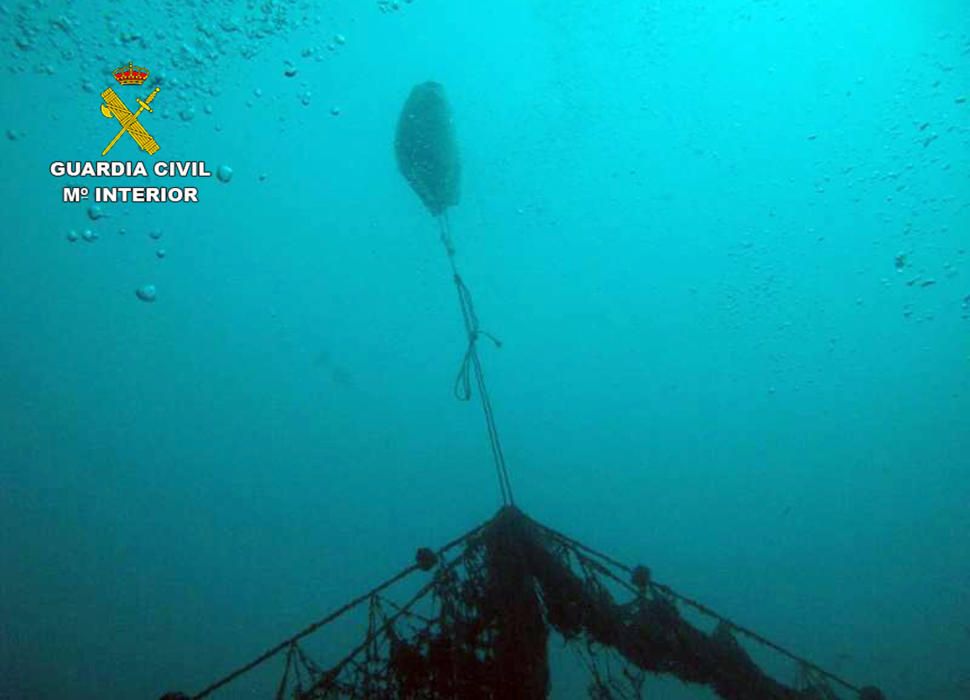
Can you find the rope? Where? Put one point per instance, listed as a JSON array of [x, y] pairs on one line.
[[578, 547], [471, 364], [281, 690]]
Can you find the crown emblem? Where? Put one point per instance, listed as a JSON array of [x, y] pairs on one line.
[[130, 74]]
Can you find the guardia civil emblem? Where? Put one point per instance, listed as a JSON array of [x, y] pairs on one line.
[[113, 106]]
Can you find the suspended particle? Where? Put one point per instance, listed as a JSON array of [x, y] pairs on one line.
[[155, 234], [146, 292], [335, 111], [160, 253], [340, 39], [224, 173], [95, 212], [72, 236], [89, 236]]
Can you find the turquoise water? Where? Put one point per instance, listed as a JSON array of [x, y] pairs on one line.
[[726, 246]]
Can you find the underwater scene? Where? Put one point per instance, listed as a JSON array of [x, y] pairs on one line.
[[485, 349]]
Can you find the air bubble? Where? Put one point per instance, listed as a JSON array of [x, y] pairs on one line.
[[146, 292]]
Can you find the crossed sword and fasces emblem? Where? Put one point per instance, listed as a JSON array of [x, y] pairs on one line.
[[114, 107]]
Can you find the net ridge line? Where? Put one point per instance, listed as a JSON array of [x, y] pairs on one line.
[[690, 602], [428, 559], [339, 612]]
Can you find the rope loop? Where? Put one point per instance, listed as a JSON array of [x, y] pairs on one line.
[[471, 365]]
